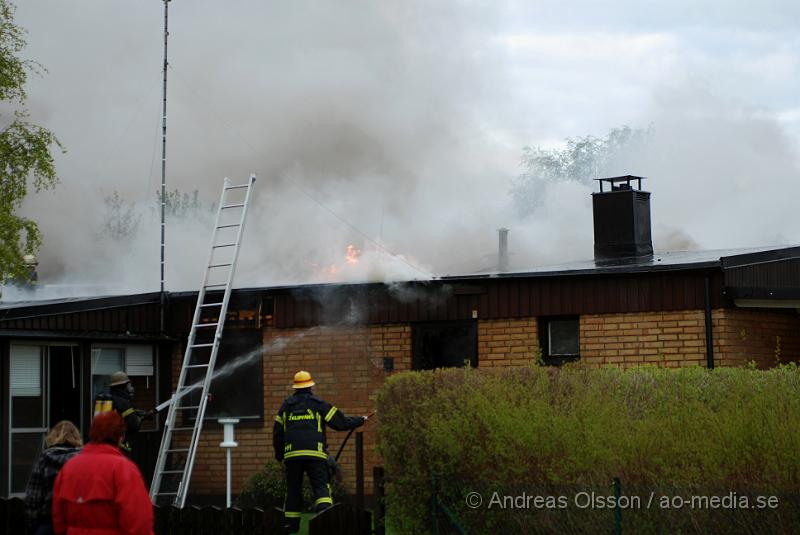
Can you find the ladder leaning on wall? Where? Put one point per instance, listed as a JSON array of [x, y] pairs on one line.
[[184, 422]]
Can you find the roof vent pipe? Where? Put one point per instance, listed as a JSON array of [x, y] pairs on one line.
[[502, 250]]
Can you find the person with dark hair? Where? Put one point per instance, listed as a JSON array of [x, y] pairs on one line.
[[119, 399], [298, 437], [100, 491], [62, 443]]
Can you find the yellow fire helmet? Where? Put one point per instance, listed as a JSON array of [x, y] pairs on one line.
[[119, 378], [302, 379]]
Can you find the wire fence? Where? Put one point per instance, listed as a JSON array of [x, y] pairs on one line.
[[461, 506]]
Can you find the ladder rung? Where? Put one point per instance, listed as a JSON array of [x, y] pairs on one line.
[[183, 429], [238, 187], [219, 265], [201, 345], [177, 450], [231, 206], [198, 325], [211, 305], [187, 409], [231, 225], [166, 493], [197, 366], [219, 285], [172, 471], [223, 245]]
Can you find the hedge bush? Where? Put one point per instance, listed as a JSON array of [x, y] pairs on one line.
[[267, 489], [556, 429]]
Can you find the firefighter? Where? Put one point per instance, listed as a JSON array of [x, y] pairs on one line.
[[298, 437], [119, 400]]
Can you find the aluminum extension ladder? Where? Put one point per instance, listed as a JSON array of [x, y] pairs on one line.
[[184, 422]]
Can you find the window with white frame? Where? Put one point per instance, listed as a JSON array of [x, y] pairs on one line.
[[559, 339], [138, 361]]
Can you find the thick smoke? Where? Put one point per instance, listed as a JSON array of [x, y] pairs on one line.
[[395, 130]]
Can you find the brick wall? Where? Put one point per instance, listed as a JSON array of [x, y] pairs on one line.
[[764, 336], [668, 339], [511, 342], [347, 365]]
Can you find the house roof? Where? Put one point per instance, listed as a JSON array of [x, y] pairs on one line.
[[663, 261], [659, 262]]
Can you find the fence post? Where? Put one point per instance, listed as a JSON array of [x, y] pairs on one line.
[[380, 504], [434, 497], [617, 509], [360, 470]]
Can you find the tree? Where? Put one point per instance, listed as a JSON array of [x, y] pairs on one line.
[[25, 152], [582, 160]]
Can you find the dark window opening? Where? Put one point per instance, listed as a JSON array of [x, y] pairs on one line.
[[237, 386], [559, 339], [444, 344]]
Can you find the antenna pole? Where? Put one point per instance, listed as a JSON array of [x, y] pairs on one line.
[[164, 157]]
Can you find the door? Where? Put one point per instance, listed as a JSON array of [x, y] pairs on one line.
[[45, 388]]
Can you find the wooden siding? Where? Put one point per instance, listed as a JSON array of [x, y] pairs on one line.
[[506, 297], [780, 274], [141, 319]]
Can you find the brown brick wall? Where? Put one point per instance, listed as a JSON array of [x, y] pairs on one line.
[[668, 339], [510, 342], [347, 365], [764, 336]]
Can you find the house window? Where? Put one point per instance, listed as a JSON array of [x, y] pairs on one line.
[[444, 344], [138, 361], [237, 384], [559, 339], [44, 388]]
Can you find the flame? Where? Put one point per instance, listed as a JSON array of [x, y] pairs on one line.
[[352, 254]]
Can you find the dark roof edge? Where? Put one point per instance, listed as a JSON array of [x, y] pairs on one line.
[[88, 304], [594, 271], [762, 257], [83, 335]]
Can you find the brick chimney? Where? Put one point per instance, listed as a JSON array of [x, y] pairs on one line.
[[621, 213]]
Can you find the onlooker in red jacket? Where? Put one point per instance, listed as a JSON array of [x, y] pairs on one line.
[[100, 491]]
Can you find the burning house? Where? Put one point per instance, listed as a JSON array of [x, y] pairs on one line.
[[627, 306]]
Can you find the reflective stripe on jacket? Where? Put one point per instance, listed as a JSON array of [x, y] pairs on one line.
[[299, 429]]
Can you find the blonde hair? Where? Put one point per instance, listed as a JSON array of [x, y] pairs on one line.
[[64, 432]]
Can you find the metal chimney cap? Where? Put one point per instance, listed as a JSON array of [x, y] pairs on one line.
[[620, 182]]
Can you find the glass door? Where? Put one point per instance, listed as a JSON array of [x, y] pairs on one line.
[[27, 416], [45, 388]]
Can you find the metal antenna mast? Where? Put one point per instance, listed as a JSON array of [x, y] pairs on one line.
[[164, 157]]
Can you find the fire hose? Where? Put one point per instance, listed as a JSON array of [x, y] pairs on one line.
[[344, 442]]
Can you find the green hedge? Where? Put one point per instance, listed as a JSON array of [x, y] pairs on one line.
[[577, 428]]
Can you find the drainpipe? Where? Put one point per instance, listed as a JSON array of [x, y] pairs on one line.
[[709, 326]]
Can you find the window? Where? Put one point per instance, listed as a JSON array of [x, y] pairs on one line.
[[27, 412], [559, 339], [444, 344], [237, 387], [44, 388], [138, 361]]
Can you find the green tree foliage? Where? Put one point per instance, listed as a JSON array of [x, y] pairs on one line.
[[26, 159], [121, 218], [582, 160]]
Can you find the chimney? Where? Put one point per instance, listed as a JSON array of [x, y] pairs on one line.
[[621, 219], [502, 250]]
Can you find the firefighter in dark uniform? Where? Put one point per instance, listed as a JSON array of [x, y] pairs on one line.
[[298, 436], [120, 394]]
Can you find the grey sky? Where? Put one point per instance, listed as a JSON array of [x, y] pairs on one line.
[[407, 120]]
